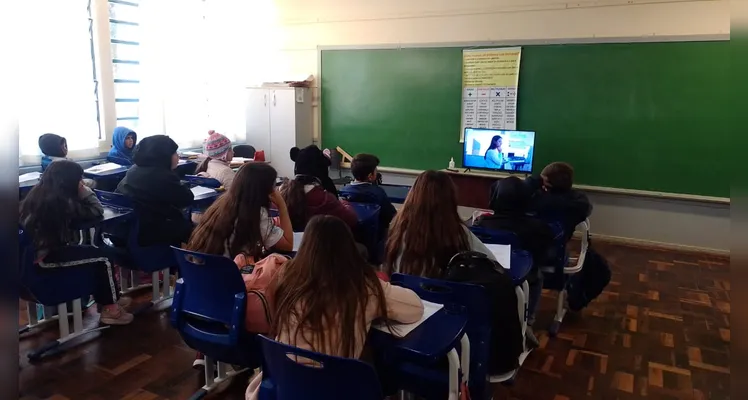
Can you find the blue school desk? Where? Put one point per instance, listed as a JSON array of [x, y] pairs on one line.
[[429, 343], [396, 193]]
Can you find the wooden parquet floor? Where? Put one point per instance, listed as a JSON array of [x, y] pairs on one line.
[[661, 330]]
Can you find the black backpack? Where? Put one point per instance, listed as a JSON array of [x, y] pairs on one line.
[[590, 281], [506, 341]]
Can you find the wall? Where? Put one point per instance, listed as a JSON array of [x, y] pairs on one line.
[[303, 26]]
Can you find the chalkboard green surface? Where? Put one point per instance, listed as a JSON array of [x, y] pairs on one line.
[[647, 116]]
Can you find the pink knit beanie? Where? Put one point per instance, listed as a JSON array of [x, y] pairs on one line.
[[216, 145]]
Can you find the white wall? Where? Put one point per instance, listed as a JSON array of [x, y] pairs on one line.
[[304, 24]]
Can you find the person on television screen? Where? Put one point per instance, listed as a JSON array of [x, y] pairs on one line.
[[494, 158]]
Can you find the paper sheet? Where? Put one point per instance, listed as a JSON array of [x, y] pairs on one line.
[[201, 190], [103, 167], [29, 176], [297, 236], [503, 254], [402, 330], [190, 153], [241, 160]]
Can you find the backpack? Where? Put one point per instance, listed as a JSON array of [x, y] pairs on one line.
[[506, 341], [258, 317], [590, 281]]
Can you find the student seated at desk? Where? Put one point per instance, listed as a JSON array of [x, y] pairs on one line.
[[509, 201], [123, 143], [316, 163], [55, 147], [364, 170], [157, 193], [554, 198], [328, 295], [217, 164], [47, 214], [239, 221], [306, 195], [428, 231]]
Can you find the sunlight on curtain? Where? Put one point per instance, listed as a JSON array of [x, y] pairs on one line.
[[57, 77], [195, 66], [173, 99]]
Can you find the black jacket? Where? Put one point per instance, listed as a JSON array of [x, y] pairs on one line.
[[534, 235], [570, 207], [157, 193]]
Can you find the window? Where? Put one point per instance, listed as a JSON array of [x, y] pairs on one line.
[[60, 90], [124, 37]]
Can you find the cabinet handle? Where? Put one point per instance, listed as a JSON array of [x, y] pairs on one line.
[[273, 98], [265, 96]]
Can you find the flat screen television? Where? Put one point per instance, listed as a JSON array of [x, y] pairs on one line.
[[498, 150]]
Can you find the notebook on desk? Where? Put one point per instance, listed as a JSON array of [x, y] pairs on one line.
[[103, 168], [503, 254], [29, 177], [402, 330], [201, 190]]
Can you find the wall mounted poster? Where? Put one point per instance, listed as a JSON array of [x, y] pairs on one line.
[[490, 82]]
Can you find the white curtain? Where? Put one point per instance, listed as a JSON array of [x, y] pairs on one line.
[[56, 78], [191, 68]]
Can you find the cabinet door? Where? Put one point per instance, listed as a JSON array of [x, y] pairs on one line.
[[258, 119], [282, 130]]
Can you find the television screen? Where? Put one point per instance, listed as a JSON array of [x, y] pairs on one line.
[[498, 150]]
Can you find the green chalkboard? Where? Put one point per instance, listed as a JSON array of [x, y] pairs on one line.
[[648, 116]]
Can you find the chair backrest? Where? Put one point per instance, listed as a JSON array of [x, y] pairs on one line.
[[148, 258], [351, 194], [202, 181], [210, 290], [367, 231], [495, 236], [54, 286], [119, 160], [244, 150], [320, 377], [115, 200]]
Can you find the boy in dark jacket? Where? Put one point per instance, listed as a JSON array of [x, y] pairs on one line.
[[157, 193], [509, 201], [364, 189], [554, 199]]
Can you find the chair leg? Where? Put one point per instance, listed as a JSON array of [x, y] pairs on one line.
[[128, 281], [454, 375], [65, 334], [465, 358], [216, 373], [37, 317], [560, 313]]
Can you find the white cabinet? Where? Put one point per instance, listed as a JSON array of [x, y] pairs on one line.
[[277, 120]]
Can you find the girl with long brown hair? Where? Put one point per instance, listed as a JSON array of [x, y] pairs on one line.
[[328, 295], [428, 231], [239, 220]]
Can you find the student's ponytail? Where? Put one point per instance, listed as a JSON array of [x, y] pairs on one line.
[[203, 167], [292, 191]]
